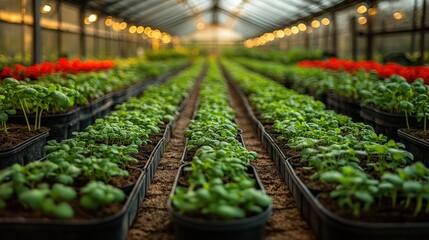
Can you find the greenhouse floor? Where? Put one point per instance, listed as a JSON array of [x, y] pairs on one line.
[[153, 220]]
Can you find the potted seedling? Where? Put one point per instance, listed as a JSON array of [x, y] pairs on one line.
[[19, 143]]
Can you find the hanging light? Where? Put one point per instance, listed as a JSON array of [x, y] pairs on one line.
[[325, 21], [280, 34], [109, 21], [295, 30], [46, 8], [140, 29], [200, 25], [315, 23], [123, 25], [397, 15], [362, 20], [132, 29], [361, 9], [302, 27], [92, 18], [372, 11], [287, 31]]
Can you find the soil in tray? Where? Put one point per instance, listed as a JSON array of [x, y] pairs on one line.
[[381, 212], [305, 176], [16, 134], [146, 149], [418, 133]]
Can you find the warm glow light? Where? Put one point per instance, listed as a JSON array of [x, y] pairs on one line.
[[132, 29], [200, 25], [156, 34], [315, 23], [362, 20], [287, 31], [86, 21], [92, 17], [140, 29], [295, 30], [166, 38], [302, 27], [397, 15], [123, 25], [116, 26], [372, 11], [361, 9], [46, 8], [270, 36], [109, 21], [280, 34], [325, 21], [147, 30]]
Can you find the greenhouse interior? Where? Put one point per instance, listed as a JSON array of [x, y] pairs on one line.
[[214, 119]]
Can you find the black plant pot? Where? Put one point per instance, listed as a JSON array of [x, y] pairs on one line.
[[367, 114], [250, 228], [388, 123], [332, 101], [349, 108], [417, 147], [25, 152], [61, 125]]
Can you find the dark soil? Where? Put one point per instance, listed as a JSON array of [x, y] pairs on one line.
[[418, 133], [305, 176], [382, 212], [17, 134], [286, 221]]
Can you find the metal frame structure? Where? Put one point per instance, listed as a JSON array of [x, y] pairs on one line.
[[251, 18]]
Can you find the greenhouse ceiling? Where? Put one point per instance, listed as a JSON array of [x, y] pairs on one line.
[[183, 17]]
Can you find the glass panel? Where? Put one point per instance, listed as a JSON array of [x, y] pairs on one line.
[[49, 14], [12, 46], [10, 11], [70, 17], [70, 45], [50, 45]]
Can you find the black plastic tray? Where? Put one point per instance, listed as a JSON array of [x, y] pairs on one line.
[[419, 148], [25, 152], [114, 227], [327, 225], [193, 228], [389, 123], [61, 125]]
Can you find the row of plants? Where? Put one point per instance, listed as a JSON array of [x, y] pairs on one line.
[[71, 102], [218, 184], [387, 105], [383, 71], [80, 177], [63, 65], [367, 171], [285, 57]]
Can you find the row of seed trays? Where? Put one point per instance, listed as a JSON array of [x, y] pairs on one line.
[[395, 107], [217, 193], [91, 186], [65, 103], [346, 180]]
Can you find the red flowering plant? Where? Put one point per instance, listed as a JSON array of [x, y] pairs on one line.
[[383, 71], [63, 65]]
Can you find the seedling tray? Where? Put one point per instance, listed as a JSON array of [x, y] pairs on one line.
[[61, 125], [417, 147], [25, 152], [114, 227], [250, 228]]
